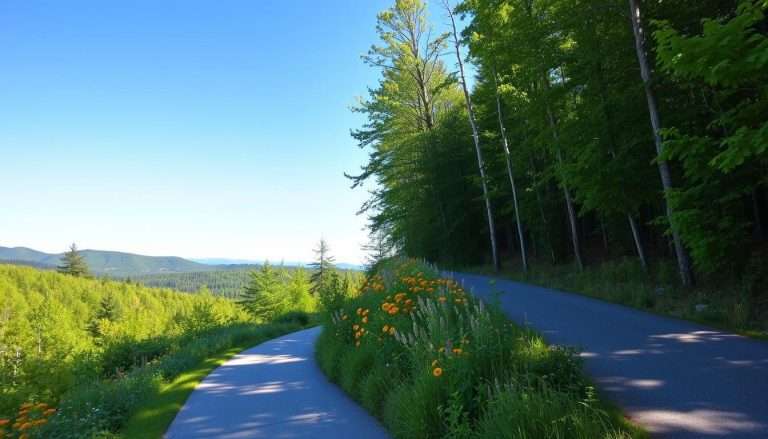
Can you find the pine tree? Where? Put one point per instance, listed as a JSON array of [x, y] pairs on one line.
[[323, 266], [264, 297], [377, 250], [333, 291], [106, 312], [73, 263]]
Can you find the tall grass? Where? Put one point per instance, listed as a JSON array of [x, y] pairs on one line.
[[431, 362], [740, 306]]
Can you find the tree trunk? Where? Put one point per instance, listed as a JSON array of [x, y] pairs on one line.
[[758, 217], [476, 138], [683, 263], [566, 190], [638, 242], [505, 144], [544, 221], [605, 235]]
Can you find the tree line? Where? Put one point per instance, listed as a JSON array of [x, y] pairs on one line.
[[593, 130], [272, 291]]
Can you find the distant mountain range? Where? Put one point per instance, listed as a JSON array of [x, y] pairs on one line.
[[110, 263], [119, 264], [234, 262]]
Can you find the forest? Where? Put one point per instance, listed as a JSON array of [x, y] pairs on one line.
[[80, 354], [227, 283], [589, 135]]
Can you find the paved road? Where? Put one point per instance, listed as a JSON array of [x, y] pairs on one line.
[[274, 390], [677, 379]]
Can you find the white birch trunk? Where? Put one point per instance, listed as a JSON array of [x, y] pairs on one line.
[[476, 138], [638, 242], [507, 155], [566, 190], [683, 263]]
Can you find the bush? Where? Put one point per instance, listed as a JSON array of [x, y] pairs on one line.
[[299, 317], [432, 362], [101, 407]]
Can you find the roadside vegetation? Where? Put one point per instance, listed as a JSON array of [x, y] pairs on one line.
[[430, 361], [738, 307], [83, 357]]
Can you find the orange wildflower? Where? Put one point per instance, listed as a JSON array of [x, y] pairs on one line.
[[437, 371]]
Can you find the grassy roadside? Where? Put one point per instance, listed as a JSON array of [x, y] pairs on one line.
[[153, 417], [726, 306], [432, 362]]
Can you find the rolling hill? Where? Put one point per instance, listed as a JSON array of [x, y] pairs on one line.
[[121, 264], [111, 263]]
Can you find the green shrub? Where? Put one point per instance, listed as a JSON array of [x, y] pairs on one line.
[[101, 407], [299, 317]]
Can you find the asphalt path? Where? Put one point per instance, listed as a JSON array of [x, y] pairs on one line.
[[274, 390], [677, 379]]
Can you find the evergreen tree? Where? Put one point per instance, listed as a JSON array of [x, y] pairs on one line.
[[323, 266], [73, 263], [333, 290], [264, 297], [106, 312]]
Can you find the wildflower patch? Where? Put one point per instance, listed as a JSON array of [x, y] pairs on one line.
[[431, 361]]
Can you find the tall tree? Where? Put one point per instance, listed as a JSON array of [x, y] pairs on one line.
[[475, 137], [510, 173], [73, 263], [322, 266], [683, 262], [264, 297], [105, 313], [725, 154]]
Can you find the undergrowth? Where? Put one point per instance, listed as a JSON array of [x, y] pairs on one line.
[[432, 362]]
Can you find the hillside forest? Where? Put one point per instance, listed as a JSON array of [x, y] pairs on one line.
[[78, 353], [589, 133]]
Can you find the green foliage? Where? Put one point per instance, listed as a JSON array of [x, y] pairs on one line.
[[57, 330], [98, 350], [226, 283], [73, 263], [725, 155], [264, 297], [575, 112], [431, 362], [322, 267], [275, 291], [103, 407]]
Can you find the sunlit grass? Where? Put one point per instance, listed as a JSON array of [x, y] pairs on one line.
[[154, 417]]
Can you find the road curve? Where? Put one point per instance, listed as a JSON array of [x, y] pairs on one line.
[[274, 390], [677, 379]]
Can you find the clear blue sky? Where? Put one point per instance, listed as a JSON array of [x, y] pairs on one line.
[[192, 128]]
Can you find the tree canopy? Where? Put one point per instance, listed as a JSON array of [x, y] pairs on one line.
[[626, 129]]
